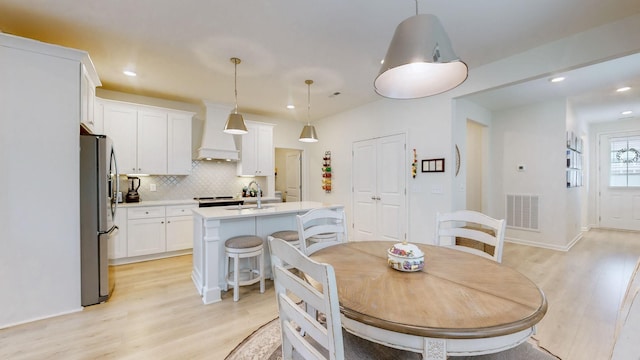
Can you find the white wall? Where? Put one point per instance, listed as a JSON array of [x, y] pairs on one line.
[[40, 200], [434, 124]]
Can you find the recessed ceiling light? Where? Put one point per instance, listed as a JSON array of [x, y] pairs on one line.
[[130, 73], [291, 106], [628, 112], [624, 88], [557, 79]]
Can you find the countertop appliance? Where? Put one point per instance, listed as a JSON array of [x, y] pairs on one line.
[[98, 206], [218, 201], [132, 194]]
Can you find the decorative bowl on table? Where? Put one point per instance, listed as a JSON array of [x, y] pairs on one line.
[[405, 257]]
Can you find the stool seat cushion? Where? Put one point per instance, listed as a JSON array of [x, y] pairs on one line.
[[286, 235], [243, 242]]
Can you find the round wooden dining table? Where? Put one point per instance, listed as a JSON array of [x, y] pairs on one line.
[[460, 304]]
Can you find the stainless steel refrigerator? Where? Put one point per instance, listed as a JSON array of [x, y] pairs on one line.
[[98, 206]]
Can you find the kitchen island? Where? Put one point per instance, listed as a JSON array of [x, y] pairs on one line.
[[213, 226]]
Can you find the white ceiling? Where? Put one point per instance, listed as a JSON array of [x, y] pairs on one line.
[[181, 49]]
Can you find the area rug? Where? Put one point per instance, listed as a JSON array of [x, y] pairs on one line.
[[264, 344]]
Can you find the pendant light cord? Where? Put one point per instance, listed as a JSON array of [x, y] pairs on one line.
[[416, 7], [235, 81], [308, 82], [308, 103]]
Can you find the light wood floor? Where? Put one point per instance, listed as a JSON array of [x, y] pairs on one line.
[[156, 313]]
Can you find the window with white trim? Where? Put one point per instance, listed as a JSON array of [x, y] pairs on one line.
[[625, 162]]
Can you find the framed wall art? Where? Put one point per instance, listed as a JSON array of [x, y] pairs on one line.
[[433, 165]]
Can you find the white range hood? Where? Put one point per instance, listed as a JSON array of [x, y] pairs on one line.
[[216, 144]]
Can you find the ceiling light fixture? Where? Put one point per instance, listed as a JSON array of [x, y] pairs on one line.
[[624, 88], [420, 61], [130, 73], [291, 106], [235, 123], [308, 133], [557, 79], [628, 112]]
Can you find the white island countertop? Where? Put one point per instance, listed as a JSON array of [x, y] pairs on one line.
[[212, 226], [235, 211]]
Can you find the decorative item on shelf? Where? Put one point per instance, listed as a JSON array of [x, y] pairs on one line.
[[326, 172], [405, 257], [414, 165], [433, 165]]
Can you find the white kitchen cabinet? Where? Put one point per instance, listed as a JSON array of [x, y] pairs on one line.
[[87, 100], [179, 143], [152, 142], [121, 125], [151, 232], [147, 139], [256, 150], [179, 227], [118, 241], [145, 230]]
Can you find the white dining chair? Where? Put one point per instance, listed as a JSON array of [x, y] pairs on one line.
[[307, 336], [320, 228], [632, 287], [627, 341], [461, 226]]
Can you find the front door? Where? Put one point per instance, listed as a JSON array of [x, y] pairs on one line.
[[619, 181]]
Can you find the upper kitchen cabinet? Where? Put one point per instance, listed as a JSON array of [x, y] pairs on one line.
[[256, 150], [88, 82], [149, 140]]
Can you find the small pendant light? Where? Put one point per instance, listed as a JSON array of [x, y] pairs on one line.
[[308, 133], [420, 61], [235, 123]]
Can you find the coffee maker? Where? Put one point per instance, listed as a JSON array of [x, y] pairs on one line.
[[132, 195]]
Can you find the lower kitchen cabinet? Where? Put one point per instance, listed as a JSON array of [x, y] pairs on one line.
[[149, 232], [179, 228], [118, 241]]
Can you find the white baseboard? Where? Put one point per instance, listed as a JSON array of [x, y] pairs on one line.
[[543, 245], [4, 326]]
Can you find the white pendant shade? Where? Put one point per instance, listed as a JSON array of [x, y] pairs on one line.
[[235, 125], [308, 134], [420, 61]]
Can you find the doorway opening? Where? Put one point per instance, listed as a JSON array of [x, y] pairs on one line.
[[476, 166], [288, 176]]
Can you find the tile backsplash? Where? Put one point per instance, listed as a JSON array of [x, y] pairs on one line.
[[208, 178]]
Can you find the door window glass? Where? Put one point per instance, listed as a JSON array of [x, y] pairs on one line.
[[625, 162]]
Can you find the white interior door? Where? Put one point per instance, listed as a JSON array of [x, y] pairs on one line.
[[379, 188], [364, 189], [293, 174], [619, 181]]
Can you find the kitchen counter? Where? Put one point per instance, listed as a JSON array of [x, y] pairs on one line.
[[159, 203], [214, 225]]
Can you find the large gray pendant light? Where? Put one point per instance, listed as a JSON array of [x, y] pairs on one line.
[[235, 123], [420, 61], [308, 133]]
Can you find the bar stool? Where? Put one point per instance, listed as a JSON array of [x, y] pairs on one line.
[[241, 247], [290, 236]]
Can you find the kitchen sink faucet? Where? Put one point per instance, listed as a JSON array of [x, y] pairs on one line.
[[259, 192]]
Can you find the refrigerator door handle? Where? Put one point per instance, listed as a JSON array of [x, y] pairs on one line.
[[114, 177], [113, 228]]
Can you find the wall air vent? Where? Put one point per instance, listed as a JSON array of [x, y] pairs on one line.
[[522, 211]]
